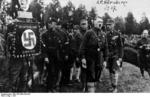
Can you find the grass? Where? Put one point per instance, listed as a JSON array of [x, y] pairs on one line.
[[130, 81]]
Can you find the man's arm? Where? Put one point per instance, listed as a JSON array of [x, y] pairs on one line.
[[120, 46], [105, 52]]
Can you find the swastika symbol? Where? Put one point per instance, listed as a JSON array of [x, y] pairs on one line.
[[28, 39]]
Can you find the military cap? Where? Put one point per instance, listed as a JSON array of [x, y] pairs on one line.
[[110, 21], [83, 20], [52, 20], [99, 19]]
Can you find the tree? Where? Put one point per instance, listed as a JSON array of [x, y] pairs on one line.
[[36, 10], [1, 3], [130, 24], [53, 10], [137, 28], [80, 13], [106, 17], [144, 23], [92, 15], [68, 11], [55, 7], [119, 24]]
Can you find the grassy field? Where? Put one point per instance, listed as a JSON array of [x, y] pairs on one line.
[[130, 81]]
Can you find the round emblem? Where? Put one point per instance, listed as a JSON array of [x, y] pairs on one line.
[[28, 39]]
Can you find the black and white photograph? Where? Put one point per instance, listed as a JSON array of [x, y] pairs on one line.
[[74, 46]]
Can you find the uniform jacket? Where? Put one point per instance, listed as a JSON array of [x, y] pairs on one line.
[[82, 31], [51, 39], [54, 41], [144, 41], [75, 41], [94, 40], [115, 44]]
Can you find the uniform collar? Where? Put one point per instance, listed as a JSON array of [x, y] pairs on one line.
[[97, 30], [83, 31]]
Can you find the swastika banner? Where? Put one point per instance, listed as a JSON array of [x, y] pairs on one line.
[[27, 40]]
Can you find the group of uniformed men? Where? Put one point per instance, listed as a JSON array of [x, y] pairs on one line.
[[89, 49], [64, 47]]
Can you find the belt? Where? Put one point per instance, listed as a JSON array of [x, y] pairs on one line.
[[113, 53]]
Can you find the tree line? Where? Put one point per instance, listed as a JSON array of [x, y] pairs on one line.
[[69, 13]]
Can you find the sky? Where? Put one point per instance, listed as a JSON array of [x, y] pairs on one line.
[[137, 7]]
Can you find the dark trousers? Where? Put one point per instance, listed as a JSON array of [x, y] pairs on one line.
[[53, 72], [65, 73], [67, 64], [18, 75], [144, 62], [92, 63], [92, 73], [112, 64], [113, 70], [84, 78], [4, 74]]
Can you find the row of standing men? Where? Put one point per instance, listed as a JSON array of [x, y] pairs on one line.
[[89, 49]]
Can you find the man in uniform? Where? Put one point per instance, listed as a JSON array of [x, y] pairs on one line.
[[52, 40], [93, 44], [75, 45], [143, 47], [115, 53], [82, 71], [70, 50]]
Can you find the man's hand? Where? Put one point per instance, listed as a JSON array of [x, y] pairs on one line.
[[104, 64], [66, 57], [141, 47], [119, 61], [84, 63], [46, 60], [30, 83], [77, 59]]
